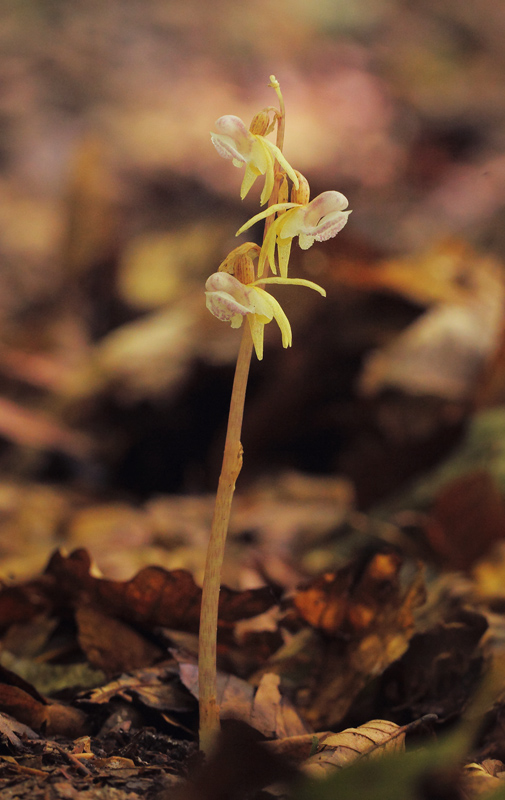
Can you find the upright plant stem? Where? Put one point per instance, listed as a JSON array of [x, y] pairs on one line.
[[230, 470], [232, 464]]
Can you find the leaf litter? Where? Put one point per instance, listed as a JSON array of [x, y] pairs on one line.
[[337, 635]]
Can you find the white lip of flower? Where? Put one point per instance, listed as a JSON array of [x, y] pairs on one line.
[[230, 301], [319, 220], [234, 141]]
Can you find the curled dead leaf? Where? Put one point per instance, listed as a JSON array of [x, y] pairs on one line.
[[338, 750], [12, 730], [353, 602]]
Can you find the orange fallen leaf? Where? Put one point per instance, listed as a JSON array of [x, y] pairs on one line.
[[338, 603], [366, 616]]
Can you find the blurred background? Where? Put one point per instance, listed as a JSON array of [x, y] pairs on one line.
[[115, 207]]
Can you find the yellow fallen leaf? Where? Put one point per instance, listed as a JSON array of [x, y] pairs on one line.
[[338, 750]]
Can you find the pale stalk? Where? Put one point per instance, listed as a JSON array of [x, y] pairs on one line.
[[232, 464], [230, 470]]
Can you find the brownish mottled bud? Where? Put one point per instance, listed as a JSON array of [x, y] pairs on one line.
[[249, 249], [244, 269], [260, 123], [302, 194]]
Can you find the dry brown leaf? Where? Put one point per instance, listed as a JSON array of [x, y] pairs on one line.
[[55, 719], [154, 597], [367, 616], [272, 713], [338, 750], [112, 645], [21, 700], [12, 729], [336, 603], [264, 709], [441, 668], [157, 687], [172, 599], [64, 721]]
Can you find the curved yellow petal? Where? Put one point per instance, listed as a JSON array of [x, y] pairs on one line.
[[283, 251], [291, 282], [257, 334], [286, 166], [269, 173], [264, 214], [267, 254], [279, 316], [250, 175]]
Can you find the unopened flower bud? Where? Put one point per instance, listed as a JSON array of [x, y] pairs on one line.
[[249, 249], [260, 123], [302, 194], [244, 269]]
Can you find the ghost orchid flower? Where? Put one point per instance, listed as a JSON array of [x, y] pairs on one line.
[[230, 301], [318, 221], [234, 141]]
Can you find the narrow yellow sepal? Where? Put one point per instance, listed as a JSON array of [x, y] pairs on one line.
[[290, 282], [264, 214]]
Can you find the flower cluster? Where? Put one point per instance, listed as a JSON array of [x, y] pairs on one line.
[[231, 299], [236, 291], [236, 142]]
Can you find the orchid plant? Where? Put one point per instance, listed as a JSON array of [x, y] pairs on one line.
[[236, 292]]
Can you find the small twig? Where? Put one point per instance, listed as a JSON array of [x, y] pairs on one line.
[[70, 756]]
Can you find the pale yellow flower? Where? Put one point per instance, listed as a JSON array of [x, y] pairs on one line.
[[230, 301], [234, 141], [319, 220]]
